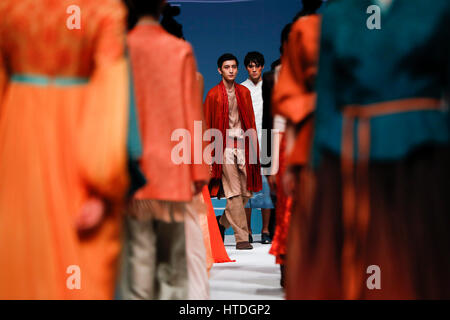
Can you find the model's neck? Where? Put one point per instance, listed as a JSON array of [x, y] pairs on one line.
[[256, 81], [148, 20], [228, 84]]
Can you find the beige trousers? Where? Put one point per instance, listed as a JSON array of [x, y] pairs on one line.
[[198, 282], [154, 263], [235, 217]]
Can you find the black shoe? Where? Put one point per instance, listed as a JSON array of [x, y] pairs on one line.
[[282, 281], [250, 238], [221, 228], [265, 238], [244, 245]]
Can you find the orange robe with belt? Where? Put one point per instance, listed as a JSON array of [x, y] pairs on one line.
[[168, 99], [59, 145], [294, 97]]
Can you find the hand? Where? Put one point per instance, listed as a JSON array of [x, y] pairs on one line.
[[91, 214]]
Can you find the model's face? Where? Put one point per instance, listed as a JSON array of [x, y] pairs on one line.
[[229, 70], [254, 71]]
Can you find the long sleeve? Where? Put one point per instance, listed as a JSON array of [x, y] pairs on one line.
[[267, 122], [293, 96], [104, 118], [192, 102]]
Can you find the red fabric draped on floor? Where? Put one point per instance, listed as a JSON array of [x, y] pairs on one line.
[[219, 253]]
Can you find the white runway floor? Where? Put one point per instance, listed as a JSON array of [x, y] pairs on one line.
[[254, 275]]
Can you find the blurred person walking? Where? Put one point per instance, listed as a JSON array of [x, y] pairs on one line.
[[63, 127], [378, 226], [294, 99], [165, 248]]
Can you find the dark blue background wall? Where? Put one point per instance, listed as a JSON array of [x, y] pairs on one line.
[[218, 26]]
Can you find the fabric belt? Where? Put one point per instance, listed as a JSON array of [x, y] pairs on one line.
[[40, 80], [356, 210]]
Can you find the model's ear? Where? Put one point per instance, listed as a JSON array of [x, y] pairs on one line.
[[220, 71]]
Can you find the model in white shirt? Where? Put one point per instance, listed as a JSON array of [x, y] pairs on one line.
[[257, 100], [254, 63]]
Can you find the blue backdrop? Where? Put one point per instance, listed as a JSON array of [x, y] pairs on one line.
[[215, 27]]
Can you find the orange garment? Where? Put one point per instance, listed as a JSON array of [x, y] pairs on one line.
[[59, 145], [294, 96], [218, 251], [282, 212], [203, 213], [167, 97]]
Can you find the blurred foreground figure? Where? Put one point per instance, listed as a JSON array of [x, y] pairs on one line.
[[379, 226], [198, 281], [294, 98], [164, 239], [63, 126]]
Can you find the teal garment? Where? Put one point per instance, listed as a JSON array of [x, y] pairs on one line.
[[134, 142], [134, 138], [407, 58], [42, 80]]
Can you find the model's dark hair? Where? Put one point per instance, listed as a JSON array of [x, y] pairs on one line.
[[275, 64], [309, 7], [140, 8], [285, 36], [254, 57], [226, 57], [169, 23]]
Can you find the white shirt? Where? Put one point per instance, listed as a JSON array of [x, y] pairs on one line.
[[257, 101]]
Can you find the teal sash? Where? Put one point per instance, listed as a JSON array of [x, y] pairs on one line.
[[39, 80]]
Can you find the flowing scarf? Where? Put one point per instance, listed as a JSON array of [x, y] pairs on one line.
[[254, 181]]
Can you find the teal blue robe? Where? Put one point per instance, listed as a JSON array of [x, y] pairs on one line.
[[408, 57]]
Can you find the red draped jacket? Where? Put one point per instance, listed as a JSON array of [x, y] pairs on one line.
[[216, 116]]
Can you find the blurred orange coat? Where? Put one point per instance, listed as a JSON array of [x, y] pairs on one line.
[[60, 144], [167, 97], [294, 97]]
